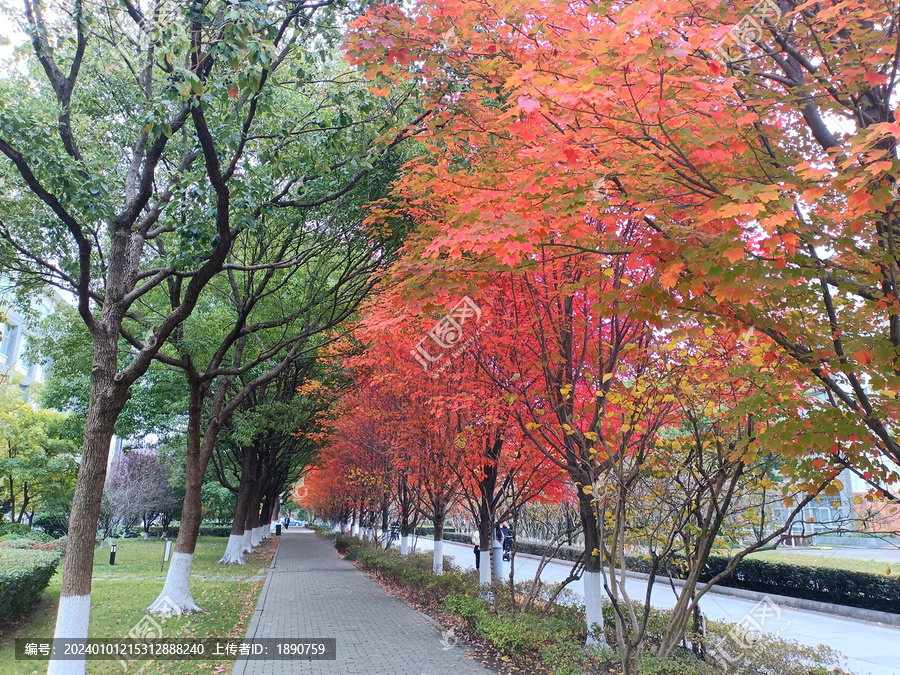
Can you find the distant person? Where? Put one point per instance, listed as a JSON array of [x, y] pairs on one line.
[[477, 552], [287, 522], [507, 542]]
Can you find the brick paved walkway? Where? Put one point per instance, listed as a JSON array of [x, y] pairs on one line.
[[311, 592]]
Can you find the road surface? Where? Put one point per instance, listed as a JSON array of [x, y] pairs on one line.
[[869, 647]]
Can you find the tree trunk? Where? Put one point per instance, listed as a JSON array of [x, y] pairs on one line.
[[256, 532], [485, 534], [593, 572], [107, 400], [176, 597], [385, 525], [437, 567], [252, 518], [234, 554], [266, 520], [25, 500]]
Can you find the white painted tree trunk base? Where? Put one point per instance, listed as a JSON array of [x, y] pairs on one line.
[[484, 568], [73, 619], [437, 567], [246, 547], [593, 607], [256, 536], [404, 545], [234, 553], [175, 598]]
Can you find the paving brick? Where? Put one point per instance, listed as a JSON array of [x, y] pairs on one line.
[[311, 592]]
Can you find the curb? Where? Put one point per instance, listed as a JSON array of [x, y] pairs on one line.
[[241, 665]]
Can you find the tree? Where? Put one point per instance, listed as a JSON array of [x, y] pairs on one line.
[[107, 205], [112, 201], [37, 457], [268, 448], [138, 489], [711, 141]]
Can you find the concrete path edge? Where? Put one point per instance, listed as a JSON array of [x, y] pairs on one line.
[[240, 665]]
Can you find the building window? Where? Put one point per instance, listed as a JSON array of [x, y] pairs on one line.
[[8, 344]]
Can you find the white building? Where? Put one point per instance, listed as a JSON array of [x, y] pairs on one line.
[[15, 334]]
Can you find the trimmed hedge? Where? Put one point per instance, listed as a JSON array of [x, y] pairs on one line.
[[428, 531], [34, 535], [205, 531], [15, 528], [823, 584], [23, 577]]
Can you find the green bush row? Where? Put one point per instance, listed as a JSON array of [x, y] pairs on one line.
[[412, 572], [823, 584], [428, 531], [205, 531], [23, 577], [34, 535], [15, 528]]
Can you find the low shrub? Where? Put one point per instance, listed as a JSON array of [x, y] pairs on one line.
[[685, 664], [15, 528], [823, 584], [568, 657], [428, 531], [23, 577], [343, 543], [172, 531], [767, 653], [33, 540], [471, 608]]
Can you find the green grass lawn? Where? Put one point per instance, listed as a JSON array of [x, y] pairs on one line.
[[118, 604], [824, 560]]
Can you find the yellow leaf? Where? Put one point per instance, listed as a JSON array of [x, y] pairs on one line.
[[607, 377]]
